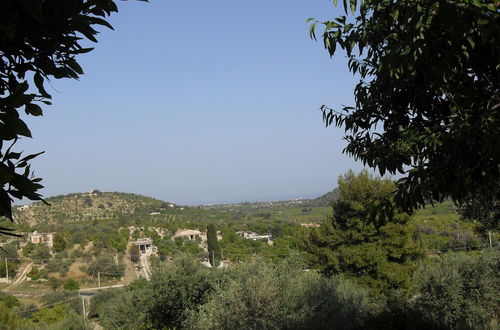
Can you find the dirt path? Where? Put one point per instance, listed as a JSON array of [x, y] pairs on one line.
[[103, 287], [22, 277], [146, 271]]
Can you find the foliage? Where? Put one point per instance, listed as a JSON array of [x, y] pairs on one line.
[[486, 211], [120, 309], [135, 254], [54, 283], [71, 299], [57, 317], [41, 253], [260, 295], [9, 254], [58, 266], [28, 249], [427, 105], [359, 240], [9, 301], [107, 266], [439, 228], [71, 285], [59, 243], [460, 291], [214, 250], [34, 273], [177, 288], [8, 318]]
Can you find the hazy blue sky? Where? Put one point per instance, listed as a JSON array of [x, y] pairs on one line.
[[199, 102]]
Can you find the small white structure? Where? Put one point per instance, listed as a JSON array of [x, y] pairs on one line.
[[310, 225], [146, 246], [254, 236], [190, 234], [46, 239]]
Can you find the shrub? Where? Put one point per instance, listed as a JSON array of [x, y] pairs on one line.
[[260, 295], [460, 291], [71, 285], [8, 318], [177, 288]]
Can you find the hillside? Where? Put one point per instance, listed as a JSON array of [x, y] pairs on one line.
[[326, 199], [86, 206]]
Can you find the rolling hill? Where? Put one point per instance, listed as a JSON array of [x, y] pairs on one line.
[[85, 206]]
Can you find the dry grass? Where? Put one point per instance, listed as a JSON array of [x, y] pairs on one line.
[[75, 272]]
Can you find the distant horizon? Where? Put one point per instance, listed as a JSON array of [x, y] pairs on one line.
[[229, 116]]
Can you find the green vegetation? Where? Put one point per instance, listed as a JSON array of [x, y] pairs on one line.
[[460, 291], [368, 266], [214, 251], [426, 104], [376, 248], [71, 285]]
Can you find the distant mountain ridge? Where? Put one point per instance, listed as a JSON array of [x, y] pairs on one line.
[[325, 200]]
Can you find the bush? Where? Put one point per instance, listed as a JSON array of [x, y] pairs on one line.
[[8, 318], [71, 285], [54, 283], [460, 291], [177, 288], [260, 295], [71, 299], [9, 300], [120, 309]]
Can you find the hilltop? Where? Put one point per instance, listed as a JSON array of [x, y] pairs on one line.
[[86, 206], [95, 204]]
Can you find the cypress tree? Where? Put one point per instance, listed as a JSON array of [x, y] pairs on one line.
[[214, 251]]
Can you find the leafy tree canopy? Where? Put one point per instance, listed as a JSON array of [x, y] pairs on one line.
[[484, 210], [427, 104]]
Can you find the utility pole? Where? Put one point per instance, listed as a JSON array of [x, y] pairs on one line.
[[84, 314], [7, 269], [116, 259], [99, 279], [489, 235]]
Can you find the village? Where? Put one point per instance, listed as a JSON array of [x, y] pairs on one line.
[[134, 269]]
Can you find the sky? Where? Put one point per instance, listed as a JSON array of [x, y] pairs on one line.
[[199, 102]]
